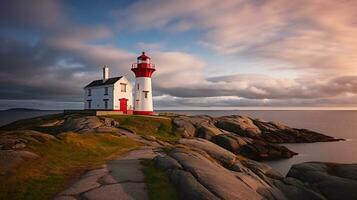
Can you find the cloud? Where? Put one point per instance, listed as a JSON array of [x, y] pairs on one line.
[[254, 86], [64, 59], [232, 102], [315, 38], [59, 63], [317, 35], [59, 55], [31, 14]]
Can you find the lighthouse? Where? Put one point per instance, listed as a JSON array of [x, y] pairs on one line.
[[143, 70]]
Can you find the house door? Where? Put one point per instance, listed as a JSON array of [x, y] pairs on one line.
[[123, 105]]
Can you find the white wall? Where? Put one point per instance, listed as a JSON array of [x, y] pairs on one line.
[[144, 104], [98, 96], [118, 94], [114, 94]]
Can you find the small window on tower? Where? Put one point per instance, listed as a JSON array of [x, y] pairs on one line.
[[146, 94], [138, 86], [89, 92], [122, 87], [106, 91]]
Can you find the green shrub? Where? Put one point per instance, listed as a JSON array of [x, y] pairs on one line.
[[158, 183], [159, 127]]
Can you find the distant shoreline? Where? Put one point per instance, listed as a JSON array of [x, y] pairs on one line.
[[25, 109], [22, 109]]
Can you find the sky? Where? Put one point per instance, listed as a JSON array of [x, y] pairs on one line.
[[208, 54]]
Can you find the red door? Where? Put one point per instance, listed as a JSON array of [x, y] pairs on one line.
[[123, 105]]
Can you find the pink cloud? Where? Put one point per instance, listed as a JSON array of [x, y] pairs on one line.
[[316, 35]]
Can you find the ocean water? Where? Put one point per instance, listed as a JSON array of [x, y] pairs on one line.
[[341, 124], [13, 115]]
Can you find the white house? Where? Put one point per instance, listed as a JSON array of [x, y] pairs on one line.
[[109, 94], [116, 93]]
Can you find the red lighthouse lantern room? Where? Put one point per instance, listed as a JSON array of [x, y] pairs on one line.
[[143, 67]]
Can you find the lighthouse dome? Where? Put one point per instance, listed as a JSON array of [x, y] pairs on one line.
[[143, 56]]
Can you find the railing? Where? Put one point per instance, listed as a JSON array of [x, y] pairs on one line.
[[135, 65]]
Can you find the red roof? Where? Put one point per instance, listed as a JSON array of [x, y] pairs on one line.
[[143, 56]]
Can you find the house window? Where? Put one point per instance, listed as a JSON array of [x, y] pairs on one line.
[[105, 103], [122, 87], [146, 94], [89, 92], [89, 103], [106, 91]]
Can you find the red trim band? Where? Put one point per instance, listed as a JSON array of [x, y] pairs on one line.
[[143, 112], [143, 72]]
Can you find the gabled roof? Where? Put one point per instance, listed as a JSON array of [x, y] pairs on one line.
[[110, 81]]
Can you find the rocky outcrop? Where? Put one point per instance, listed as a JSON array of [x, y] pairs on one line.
[[333, 181], [252, 148], [260, 150], [213, 160], [215, 151], [207, 131], [13, 152], [120, 178], [252, 138], [188, 126], [246, 127], [201, 169], [8, 142], [240, 125], [294, 189], [268, 131], [189, 187], [279, 133], [89, 124], [59, 123], [10, 159], [216, 181]]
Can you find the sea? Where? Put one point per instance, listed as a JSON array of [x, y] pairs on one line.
[[336, 123]]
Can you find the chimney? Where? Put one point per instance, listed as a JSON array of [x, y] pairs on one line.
[[105, 73]]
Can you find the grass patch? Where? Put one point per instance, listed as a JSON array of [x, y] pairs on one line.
[[159, 127], [60, 161], [159, 186]]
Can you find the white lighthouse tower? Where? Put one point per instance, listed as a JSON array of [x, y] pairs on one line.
[[143, 70]]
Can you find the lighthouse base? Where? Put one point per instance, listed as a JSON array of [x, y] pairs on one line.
[[143, 112]]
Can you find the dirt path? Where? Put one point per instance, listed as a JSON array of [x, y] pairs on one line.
[[118, 179]]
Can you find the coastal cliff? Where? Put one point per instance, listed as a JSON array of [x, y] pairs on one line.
[[253, 138], [203, 157]]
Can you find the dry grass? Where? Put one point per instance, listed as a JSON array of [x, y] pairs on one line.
[[60, 161]]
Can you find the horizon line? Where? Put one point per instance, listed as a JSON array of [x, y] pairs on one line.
[[224, 109]]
